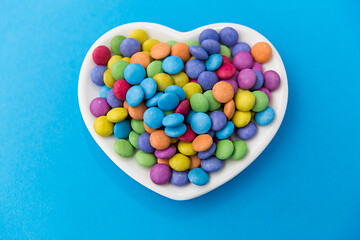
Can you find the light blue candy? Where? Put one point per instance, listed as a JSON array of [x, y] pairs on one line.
[[265, 117], [172, 65], [189, 116], [213, 62], [122, 129], [198, 176], [103, 91], [168, 101], [134, 73], [134, 96], [200, 123], [173, 120], [153, 117], [176, 90], [149, 87], [153, 102], [175, 131], [226, 131]]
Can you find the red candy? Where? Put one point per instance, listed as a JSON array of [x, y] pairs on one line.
[[183, 108], [193, 80], [225, 60], [226, 71], [101, 55], [120, 89], [188, 136]]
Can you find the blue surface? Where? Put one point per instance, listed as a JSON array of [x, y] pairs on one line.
[[56, 183]]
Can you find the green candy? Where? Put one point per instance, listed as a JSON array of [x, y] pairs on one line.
[[133, 137], [199, 103], [240, 150], [117, 69], [137, 126], [171, 42], [213, 104], [225, 51], [192, 43], [154, 68], [115, 44], [261, 101], [168, 112], [123, 148], [145, 159], [224, 149]]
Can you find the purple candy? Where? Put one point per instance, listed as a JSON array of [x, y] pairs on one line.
[[259, 81], [246, 79], [209, 34], [112, 100], [212, 164], [257, 66], [240, 47], [211, 46], [218, 120], [144, 143], [160, 174], [208, 153], [166, 153], [207, 80], [271, 80], [99, 107], [129, 46], [243, 60], [247, 132], [233, 84], [96, 75], [179, 178], [266, 91]]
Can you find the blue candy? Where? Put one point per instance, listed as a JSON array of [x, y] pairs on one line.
[[134, 73], [247, 132], [189, 116], [179, 178], [265, 117], [211, 133], [226, 131], [103, 91], [173, 120], [207, 80], [209, 34], [212, 164], [153, 102], [112, 100], [172, 65], [143, 142], [200, 123], [213, 62], [194, 67], [211, 46], [228, 36], [97, 73], [240, 47], [134, 96], [198, 52], [149, 87], [122, 129], [168, 101], [198, 176], [259, 80], [208, 153], [176, 90], [175, 131], [129, 46], [153, 117]]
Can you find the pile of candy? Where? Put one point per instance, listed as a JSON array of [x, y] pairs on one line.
[[180, 103]]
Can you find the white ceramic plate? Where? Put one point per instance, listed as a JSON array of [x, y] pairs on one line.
[[87, 91]]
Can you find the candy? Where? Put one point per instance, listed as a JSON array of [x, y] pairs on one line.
[[183, 108], [145, 159], [99, 107], [115, 44], [168, 101], [172, 65], [218, 120], [154, 68], [198, 176], [139, 35], [163, 161], [148, 129], [96, 75], [126, 59], [117, 115], [194, 67], [243, 60], [224, 149], [228, 36], [129, 46], [223, 92], [213, 104], [247, 131], [261, 101], [202, 142], [163, 80], [153, 117], [261, 52], [103, 91], [229, 109], [134, 73], [113, 60], [103, 127], [208, 153], [226, 131], [271, 80], [141, 58], [138, 111], [265, 117], [266, 91], [159, 140], [160, 174], [200, 123], [186, 148], [195, 161], [181, 50], [209, 34], [211, 46], [225, 51], [188, 136], [108, 79], [144, 143], [199, 103], [175, 131], [112, 100], [173, 120], [258, 67], [180, 79], [123, 148], [212, 164], [226, 71], [101, 55], [171, 42], [241, 119], [118, 68], [244, 100], [233, 84], [152, 102], [179, 178], [198, 52], [160, 51], [176, 90], [192, 43], [240, 47], [148, 44], [207, 80], [240, 150], [191, 88], [259, 80], [149, 87], [133, 137], [166, 153], [246, 79], [179, 162], [122, 129], [134, 96]]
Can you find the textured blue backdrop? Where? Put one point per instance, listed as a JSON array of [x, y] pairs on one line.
[[56, 183]]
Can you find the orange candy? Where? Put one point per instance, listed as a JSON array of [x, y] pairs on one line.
[[261, 52], [229, 109], [195, 161], [136, 112], [159, 140], [148, 129], [163, 161], [181, 50], [141, 58], [202, 142], [223, 92], [160, 51]]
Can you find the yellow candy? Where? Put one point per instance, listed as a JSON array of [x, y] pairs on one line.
[[186, 148], [163, 80], [103, 127], [244, 100], [112, 60], [179, 162], [148, 44], [192, 58], [127, 59], [148, 53], [241, 119], [191, 88], [116, 115], [180, 79], [108, 79], [139, 35]]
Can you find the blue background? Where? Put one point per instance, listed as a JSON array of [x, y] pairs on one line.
[[56, 183]]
